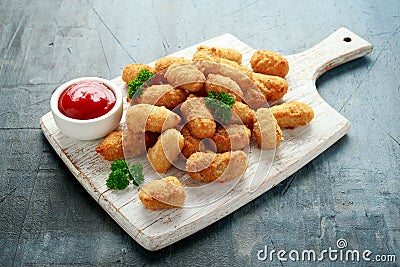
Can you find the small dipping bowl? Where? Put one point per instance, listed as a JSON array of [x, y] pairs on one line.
[[88, 129]]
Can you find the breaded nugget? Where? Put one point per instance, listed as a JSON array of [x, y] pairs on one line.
[[200, 56], [273, 87], [192, 144], [266, 130], [166, 150], [111, 147], [227, 53], [292, 114], [166, 62], [162, 95], [144, 117], [243, 114], [218, 83], [131, 71], [251, 94], [125, 144], [270, 63], [133, 144], [186, 77], [199, 118], [232, 137], [163, 194], [209, 166]]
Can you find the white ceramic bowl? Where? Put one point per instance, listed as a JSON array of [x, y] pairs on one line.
[[92, 128]]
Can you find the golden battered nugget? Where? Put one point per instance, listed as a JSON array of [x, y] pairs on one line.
[[121, 144], [186, 77], [199, 118], [232, 137], [131, 71], [243, 114], [252, 96], [273, 87], [270, 63], [162, 95], [210, 166], [218, 83], [192, 144], [266, 130], [163, 194], [166, 150], [227, 53], [166, 62], [111, 147], [200, 56], [144, 117], [292, 114]]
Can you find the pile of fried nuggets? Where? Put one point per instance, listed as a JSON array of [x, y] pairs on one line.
[[170, 119]]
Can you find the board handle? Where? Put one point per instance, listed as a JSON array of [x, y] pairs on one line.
[[338, 48]]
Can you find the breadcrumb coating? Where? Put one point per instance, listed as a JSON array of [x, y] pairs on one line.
[[145, 117], [292, 114], [210, 166], [131, 71], [166, 150], [273, 87], [163, 194], [266, 130], [232, 137], [227, 53], [270, 63], [166, 62]]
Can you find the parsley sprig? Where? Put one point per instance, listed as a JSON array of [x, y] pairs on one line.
[[135, 86], [221, 105], [122, 173]]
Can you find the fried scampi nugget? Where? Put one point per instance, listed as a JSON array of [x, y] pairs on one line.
[[292, 114], [131, 71], [186, 77], [227, 53], [143, 117], [251, 94], [200, 120], [192, 144], [163, 194], [266, 130], [162, 95], [201, 56], [270, 63], [210, 166], [166, 150], [273, 87], [233, 137], [243, 114], [218, 83], [114, 147], [111, 147], [166, 62]]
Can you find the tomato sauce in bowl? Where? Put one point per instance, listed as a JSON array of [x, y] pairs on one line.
[[86, 100]]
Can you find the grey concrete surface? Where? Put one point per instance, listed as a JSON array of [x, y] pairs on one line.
[[350, 192]]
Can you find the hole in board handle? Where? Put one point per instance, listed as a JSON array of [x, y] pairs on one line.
[[347, 39]]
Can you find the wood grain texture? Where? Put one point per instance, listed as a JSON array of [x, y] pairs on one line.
[[350, 191], [157, 229]]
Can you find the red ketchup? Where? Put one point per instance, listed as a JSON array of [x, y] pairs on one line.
[[86, 100]]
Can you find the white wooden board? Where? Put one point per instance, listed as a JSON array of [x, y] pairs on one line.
[[157, 229]]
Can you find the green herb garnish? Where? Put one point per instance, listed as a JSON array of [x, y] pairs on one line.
[[135, 86], [221, 105], [121, 174]]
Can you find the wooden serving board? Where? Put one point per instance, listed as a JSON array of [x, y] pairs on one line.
[[157, 229]]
